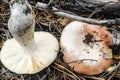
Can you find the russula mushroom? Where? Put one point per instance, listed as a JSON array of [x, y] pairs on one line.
[[28, 52], [86, 47]]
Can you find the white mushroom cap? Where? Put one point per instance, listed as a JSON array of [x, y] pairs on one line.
[[85, 47], [19, 60]]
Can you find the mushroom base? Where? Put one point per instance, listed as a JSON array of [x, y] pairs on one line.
[[14, 57]]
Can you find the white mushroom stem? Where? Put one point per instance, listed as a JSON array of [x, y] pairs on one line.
[[21, 23]]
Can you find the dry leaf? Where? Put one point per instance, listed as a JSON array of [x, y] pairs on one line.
[[63, 21]]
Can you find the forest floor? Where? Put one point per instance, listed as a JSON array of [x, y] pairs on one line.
[[48, 21]]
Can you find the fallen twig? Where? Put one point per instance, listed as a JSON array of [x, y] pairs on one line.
[[108, 23]]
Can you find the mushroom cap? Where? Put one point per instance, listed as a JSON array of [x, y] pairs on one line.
[[85, 47], [16, 59]]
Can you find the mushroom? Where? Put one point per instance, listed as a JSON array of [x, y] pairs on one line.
[[28, 52], [86, 47]]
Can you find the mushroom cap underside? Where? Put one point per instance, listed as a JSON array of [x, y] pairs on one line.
[[15, 58], [85, 47]]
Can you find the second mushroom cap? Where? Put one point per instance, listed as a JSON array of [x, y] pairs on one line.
[[86, 47]]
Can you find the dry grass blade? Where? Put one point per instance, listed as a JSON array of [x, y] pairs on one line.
[[0, 45], [60, 67], [94, 78], [110, 72], [4, 30], [112, 75], [64, 72]]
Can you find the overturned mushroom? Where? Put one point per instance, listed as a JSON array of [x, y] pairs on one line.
[[27, 52], [86, 47]]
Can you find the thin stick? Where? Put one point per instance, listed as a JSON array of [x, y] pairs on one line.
[[62, 67], [42, 6]]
